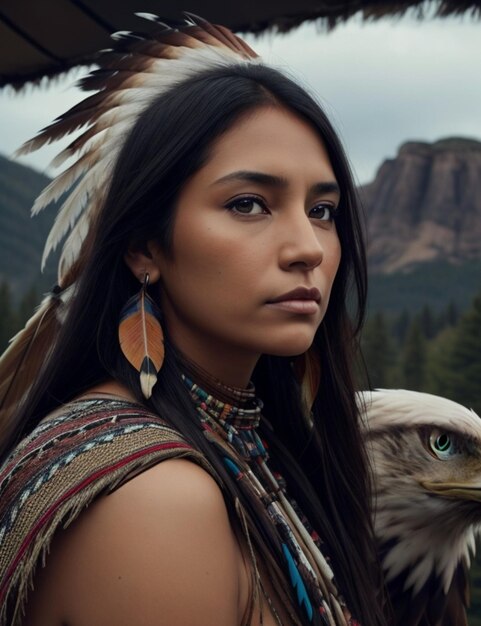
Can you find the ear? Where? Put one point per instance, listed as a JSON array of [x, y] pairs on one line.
[[141, 262]]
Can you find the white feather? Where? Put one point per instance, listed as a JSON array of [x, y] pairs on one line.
[[89, 146], [147, 16], [60, 185], [73, 246]]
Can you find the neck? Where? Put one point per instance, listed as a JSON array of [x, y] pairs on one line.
[[228, 365], [212, 385]]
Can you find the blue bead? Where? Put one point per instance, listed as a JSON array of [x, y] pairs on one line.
[[232, 467], [298, 583]]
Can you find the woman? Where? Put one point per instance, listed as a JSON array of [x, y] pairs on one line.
[[221, 196]]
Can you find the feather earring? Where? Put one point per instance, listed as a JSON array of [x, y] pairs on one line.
[[141, 337]]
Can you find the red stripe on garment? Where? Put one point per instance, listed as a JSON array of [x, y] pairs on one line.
[[75, 489]]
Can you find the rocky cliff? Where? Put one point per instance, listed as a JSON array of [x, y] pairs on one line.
[[425, 205]]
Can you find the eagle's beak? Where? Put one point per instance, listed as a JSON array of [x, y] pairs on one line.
[[463, 491]]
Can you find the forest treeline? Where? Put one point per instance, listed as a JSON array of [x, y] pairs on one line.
[[438, 353]]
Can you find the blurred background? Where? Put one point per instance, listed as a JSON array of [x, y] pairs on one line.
[[400, 81]]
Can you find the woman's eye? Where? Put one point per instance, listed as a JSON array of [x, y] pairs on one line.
[[323, 212], [247, 206]]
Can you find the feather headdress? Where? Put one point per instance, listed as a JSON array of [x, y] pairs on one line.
[[130, 76]]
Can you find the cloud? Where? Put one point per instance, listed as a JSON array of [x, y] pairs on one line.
[[381, 84], [24, 114], [390, 81]]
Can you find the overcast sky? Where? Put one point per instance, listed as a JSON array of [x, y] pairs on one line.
[[381, 83]]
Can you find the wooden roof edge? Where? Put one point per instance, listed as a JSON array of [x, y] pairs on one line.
[[44, 78], [369, 10], [327, 18]]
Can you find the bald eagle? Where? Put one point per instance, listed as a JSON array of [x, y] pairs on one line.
[[425, 453]]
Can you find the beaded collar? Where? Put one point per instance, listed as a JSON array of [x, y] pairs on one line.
[[235, 417]]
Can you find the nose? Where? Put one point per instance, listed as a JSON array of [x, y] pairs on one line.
[[301, 245]]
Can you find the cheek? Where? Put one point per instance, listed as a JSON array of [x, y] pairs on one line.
[[198, 254], [212, 249], [206, 275]]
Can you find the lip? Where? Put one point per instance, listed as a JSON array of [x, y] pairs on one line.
[[303, 300], [299, 294]]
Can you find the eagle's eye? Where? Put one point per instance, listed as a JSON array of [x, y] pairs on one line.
[[441, 445]]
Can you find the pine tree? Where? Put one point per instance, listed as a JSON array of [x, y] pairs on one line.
[[448, 317], [413, 358], [7, 316], [377, 350], [438, 362], [452, 313], [463, 362], [400, 326], [27, 306], [427, 322]]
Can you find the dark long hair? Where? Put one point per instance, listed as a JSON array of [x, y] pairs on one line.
[[325, 467]]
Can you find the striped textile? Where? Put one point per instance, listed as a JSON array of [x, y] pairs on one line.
[[87, 448]]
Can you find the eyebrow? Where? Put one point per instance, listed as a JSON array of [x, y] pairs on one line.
[[279, 182]]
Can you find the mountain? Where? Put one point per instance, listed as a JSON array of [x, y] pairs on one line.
[[425, 205], [424, 226], [21, 237]]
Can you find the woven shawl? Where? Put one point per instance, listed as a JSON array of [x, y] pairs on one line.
[[87, 448]]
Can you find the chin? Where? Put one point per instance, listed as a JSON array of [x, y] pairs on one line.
[[290, 348]]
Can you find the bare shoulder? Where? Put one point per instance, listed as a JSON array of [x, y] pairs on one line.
[[160, 549]]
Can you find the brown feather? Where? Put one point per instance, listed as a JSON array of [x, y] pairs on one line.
[[223, 35], [115, 80], [25, 357], [78, 143], [177, 38], [141, 339], [114, 60], [238, 44]]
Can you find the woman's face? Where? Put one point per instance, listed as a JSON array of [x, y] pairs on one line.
[[252, 225]]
